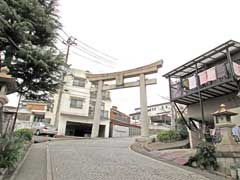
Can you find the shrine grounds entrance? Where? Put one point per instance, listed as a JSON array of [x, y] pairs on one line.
[[98, 81]]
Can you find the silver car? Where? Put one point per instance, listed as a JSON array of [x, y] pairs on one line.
[[39, 128]]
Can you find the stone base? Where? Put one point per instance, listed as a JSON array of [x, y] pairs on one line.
[[227, 159], [227, 148]]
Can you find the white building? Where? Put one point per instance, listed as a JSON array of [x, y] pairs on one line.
[[77, 107], [160, 116]]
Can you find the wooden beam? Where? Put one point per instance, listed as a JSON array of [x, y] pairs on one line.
[[126, 85]]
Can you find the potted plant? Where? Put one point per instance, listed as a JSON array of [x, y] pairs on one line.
[[233, 171]]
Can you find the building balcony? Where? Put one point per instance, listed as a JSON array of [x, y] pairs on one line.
[[105, 95], [210, 75], [104, 114]]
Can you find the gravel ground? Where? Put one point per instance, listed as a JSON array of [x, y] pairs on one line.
[[109, 159]]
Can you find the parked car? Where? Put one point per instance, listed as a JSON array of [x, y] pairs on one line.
[[39, 128]]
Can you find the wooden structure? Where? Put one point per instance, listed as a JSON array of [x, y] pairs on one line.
[[222, 63]]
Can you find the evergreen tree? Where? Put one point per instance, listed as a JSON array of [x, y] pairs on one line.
[[28, 32]]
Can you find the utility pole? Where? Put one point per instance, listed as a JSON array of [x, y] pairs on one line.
[[70, 41]]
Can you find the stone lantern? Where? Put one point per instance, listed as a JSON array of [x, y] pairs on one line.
[[222, 119], [227, 151], [7, 86]]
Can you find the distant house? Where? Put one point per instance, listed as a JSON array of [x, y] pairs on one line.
[[160, 116], [120, 124]]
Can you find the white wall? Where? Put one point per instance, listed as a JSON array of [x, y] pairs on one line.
[[120, 131], [231, 101]]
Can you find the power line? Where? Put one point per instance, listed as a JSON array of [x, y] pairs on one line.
[[90, 53], [94, 49], [97, 50], [65, 33], [105, 62], [85, 57]]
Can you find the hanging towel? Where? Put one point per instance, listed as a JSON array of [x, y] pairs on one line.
[[221, 71], [203, 77], [211, 74], [236, 68], [192, 82], [186, 83]]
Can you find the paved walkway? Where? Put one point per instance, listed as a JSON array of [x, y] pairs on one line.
[[100, 159], [34, 167]]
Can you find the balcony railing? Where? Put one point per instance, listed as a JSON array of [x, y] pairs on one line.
[[189, 84], [105, 95], [104, 114]]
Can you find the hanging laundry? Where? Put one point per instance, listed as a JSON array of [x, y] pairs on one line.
[[192, 82], [186, 84], [176, 90], [236, 68], [203, 77], [221, 71], [211, 74]]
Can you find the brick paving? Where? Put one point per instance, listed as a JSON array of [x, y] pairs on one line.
[[110, 159]]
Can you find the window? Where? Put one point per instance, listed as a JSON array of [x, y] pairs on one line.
[[76, 102], [77, 81]]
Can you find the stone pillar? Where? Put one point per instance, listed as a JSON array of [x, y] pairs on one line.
[[144, 110], [97, 111]]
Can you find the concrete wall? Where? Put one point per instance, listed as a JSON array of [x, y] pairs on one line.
[[120, 131], [231, 101]]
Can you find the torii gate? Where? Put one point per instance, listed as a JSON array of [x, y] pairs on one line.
[[99, 79]]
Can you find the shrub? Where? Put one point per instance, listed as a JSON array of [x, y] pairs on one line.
[[11, 149], [181, 128], [168, 136], [25, 134], [205, 157], [183, 133]]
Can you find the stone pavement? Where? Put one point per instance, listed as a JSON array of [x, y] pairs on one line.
[[109, 159], [98, 159], [34, 167]]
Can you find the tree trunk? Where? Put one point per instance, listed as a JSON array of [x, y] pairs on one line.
[[1, 121], [15, 117]]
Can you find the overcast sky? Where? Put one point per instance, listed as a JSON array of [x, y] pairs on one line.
[[139, 32]]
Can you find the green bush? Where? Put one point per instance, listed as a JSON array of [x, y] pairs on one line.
[[181, 128], [205, 157], [25, 134], [11, 149], [168, 136], [183, 133]]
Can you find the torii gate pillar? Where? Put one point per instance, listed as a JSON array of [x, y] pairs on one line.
[[144, 110], [97, 111]]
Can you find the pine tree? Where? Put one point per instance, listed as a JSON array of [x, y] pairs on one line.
[[28, 32]]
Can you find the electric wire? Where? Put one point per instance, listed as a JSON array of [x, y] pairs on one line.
[[85, 57], [94, 49]]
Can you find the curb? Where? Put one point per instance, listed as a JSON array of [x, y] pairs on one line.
[[49, 164], [206, 174], [13, 177]]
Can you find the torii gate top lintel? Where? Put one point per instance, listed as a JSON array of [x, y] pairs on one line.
[[147, 69]]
